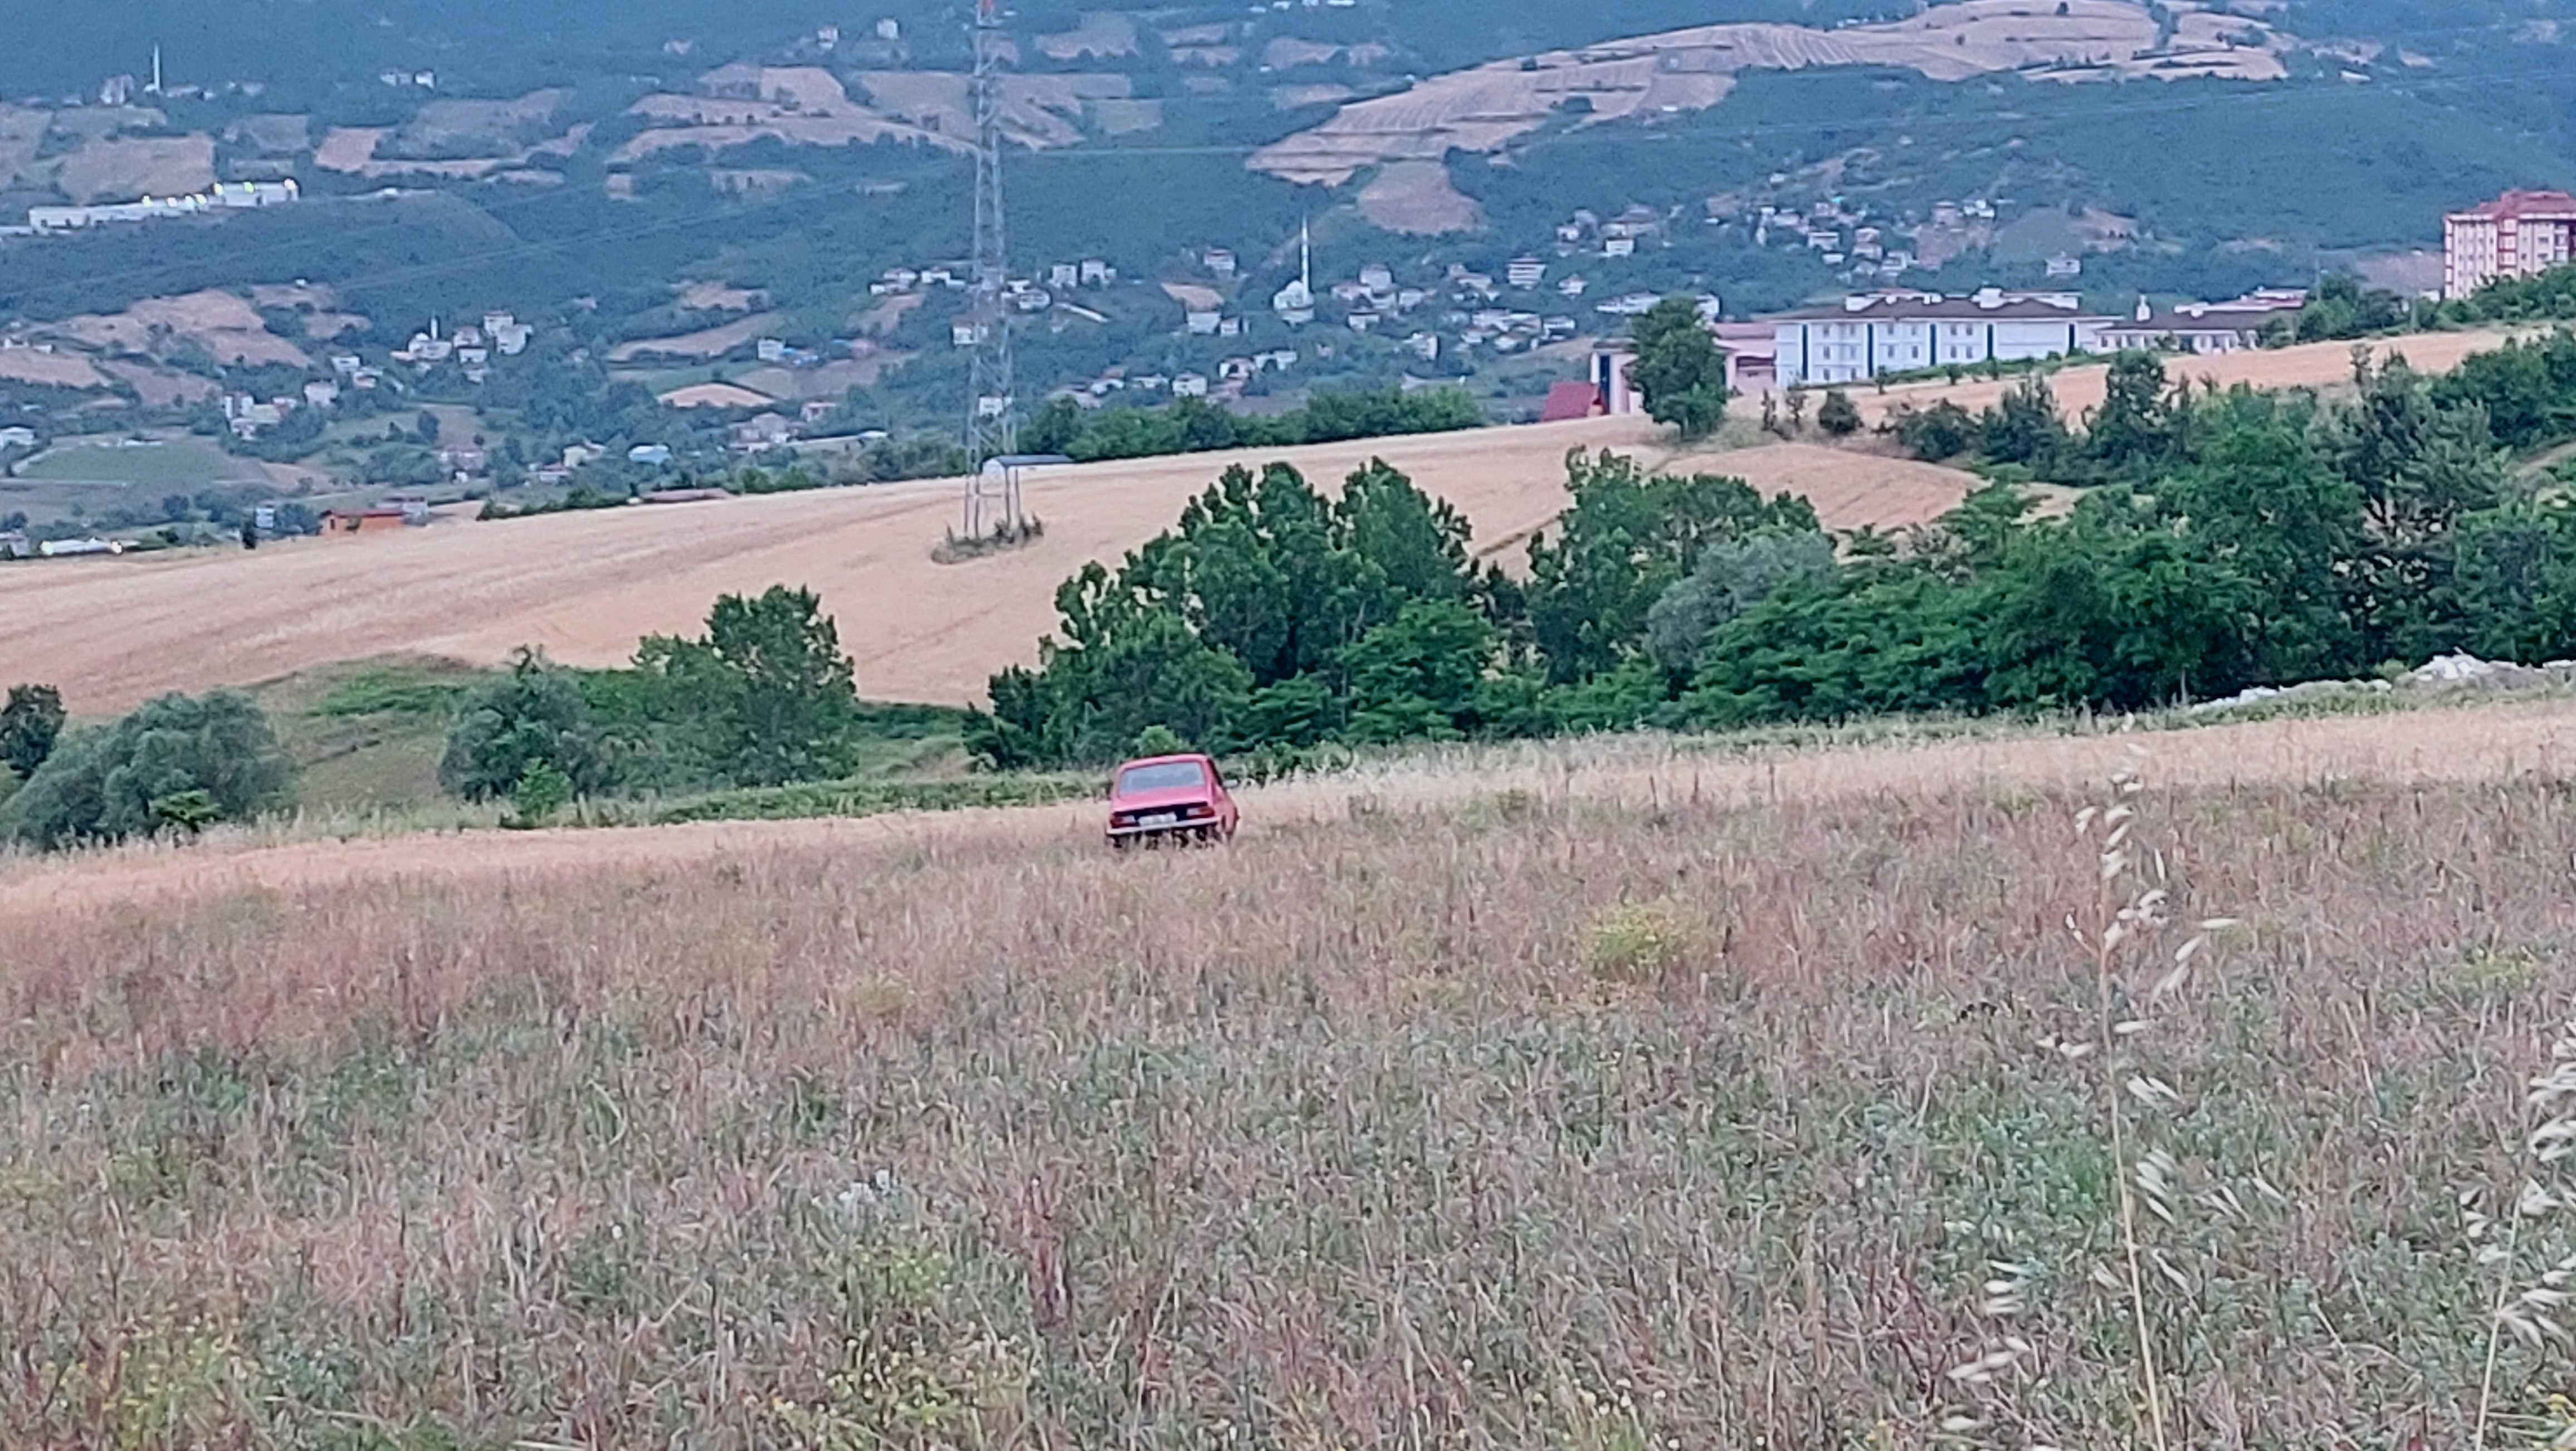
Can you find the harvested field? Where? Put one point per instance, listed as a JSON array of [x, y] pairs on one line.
[[2311, 365], [717, 297], [587, 586], [1487, 107], [226, 326], [712, 342], [1602, 1095], [1037, 111], [1417, 198], [830, 381], [158, 385], [49, 369], [1105, 34], [124, 170], [715, 395]]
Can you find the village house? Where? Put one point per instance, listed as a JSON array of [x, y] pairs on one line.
[[1219, 261], [762, 432], [1525, 273], [1190, 385], [2203, 328]]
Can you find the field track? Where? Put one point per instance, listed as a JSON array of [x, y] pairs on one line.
[[2493, 743], [586, 587]]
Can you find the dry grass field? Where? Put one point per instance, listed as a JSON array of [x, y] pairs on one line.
[[1608, 1095]]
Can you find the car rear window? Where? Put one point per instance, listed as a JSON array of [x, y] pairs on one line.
[[1167, 776]]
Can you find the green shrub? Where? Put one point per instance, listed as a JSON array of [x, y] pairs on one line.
[[178, 762], [30, 724], [535, 716]]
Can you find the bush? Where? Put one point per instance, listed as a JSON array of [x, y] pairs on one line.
[[1838, 415], [29, 725], [1936, 434], [178, 762], [535, 716], [1641, 942]]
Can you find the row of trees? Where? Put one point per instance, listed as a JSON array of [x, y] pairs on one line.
[[1194, 425], [1273, 616], [766, 696], [2231, 540]]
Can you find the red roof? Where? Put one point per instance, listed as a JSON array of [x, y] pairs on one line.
[[2515, 205], [1567, 401]]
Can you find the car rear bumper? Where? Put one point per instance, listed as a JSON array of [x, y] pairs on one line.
[[1210, 826]]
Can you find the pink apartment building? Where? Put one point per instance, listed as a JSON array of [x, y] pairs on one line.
[[2516, 235]]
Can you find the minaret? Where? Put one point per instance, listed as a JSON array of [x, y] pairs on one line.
[[1305, 254], [156, 70]]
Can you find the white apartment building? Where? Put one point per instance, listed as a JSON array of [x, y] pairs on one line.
[[1873, 333], [2516, 235]]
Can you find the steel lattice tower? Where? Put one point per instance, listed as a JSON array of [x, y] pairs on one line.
[[992, 423]]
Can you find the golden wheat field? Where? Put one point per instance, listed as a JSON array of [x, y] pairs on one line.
[[1619, 1094]]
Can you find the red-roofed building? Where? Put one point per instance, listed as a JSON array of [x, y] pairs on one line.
[[1569, 401], [2516, 235]]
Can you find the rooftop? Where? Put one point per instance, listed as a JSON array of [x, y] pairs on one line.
[[2526, 206], [1987, 306]]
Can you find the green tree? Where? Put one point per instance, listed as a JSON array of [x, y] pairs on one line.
[[1936, 434], [538, 796], [30, 724], [766, 696], [1628, 537], [2132, 431], [102, 784], [2025, 428], [1732, 576], [1679, 369], [1416, 677], [536, 715], [1054, 427], [2421, 469]]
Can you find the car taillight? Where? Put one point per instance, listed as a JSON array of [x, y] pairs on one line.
[[1122, 818], [1195, 812]]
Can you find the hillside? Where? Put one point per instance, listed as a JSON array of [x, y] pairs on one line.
[[587, 586], [1612, 1093]]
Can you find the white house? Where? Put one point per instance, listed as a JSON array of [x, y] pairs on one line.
[[2203, 328], [1873, 333]]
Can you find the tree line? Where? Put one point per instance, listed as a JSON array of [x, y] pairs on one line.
[[2226, 540], [1194, 425]]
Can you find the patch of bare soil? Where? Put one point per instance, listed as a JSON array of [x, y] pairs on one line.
[[1417, 198]]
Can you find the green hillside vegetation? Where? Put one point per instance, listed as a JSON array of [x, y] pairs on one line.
[[2229, 541]]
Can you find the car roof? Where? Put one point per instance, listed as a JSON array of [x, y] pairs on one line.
[[1194, 759]]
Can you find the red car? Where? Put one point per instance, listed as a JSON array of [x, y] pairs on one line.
[[1170, 798]]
